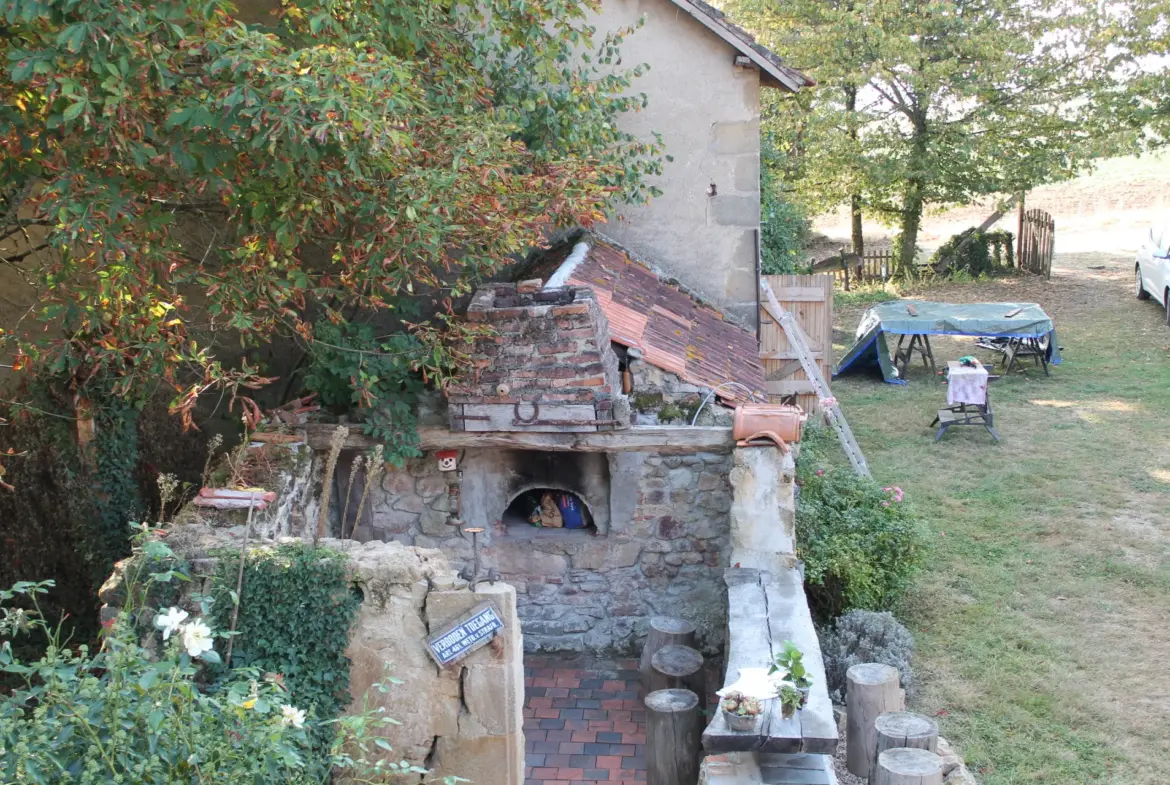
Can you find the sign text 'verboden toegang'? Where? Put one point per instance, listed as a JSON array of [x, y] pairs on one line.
[[466, 635]]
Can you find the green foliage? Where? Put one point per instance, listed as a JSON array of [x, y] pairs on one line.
[[738, 703], [783, 231], [866, 293], [125, 714], [865, 636], [901, 116], [861, 544], [790, 700], [784, 224], [117, 498], [174, 177], [352, 369], [790, 659], [986, 253], [295, 614]]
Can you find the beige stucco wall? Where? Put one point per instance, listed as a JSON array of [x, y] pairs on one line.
[[708, 112]]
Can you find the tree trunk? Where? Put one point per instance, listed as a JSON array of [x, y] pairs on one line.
[[908, 767], [858, 236], [898, 729], [914, 198], [673, 737], [664, 631], [678, 668], [911, 221], [855, 199], [871, 690]]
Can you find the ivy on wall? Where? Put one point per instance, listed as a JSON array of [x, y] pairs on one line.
[[296, 611], [116, 484]]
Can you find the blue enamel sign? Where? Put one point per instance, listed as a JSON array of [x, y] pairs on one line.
[[466, 635]]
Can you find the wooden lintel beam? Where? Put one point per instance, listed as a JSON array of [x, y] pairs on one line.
[[668, 440]]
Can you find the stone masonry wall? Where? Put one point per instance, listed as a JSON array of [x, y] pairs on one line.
[[660, 397], [463, 720], [550, 347], [663, 554]]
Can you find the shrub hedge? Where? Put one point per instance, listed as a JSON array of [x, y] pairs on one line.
[[861, 543]]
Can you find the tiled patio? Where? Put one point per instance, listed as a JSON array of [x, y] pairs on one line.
[[583, 722]]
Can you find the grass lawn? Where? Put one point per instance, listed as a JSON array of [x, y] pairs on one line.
[[1043, 619]]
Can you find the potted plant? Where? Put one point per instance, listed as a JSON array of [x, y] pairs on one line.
[[740, 711], [791, 660], [790, 700]]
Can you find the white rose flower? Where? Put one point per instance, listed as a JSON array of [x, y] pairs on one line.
[[197, 638], [170, 621], [292, 716]]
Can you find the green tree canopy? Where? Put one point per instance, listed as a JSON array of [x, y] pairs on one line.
[[926, 102], [172, 175]]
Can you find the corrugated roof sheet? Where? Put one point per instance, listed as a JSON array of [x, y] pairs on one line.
[[673, 331]]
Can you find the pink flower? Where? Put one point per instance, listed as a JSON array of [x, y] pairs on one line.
[[885, 504], [820, 472]]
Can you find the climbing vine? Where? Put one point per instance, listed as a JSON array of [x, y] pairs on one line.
[[296, 610], [116, 495]]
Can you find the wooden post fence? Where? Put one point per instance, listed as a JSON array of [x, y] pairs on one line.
[[1037, 242]]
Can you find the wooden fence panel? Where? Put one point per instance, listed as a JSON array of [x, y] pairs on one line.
[[810, 299], [1037, 243], [876, 267]]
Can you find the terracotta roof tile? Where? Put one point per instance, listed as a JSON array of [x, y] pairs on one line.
[[673, 331]]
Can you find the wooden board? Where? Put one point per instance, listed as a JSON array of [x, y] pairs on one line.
[[665, 439], [796, 769], [569, 417], [790, 619], [765, 609], [1036, 242], [810, 299]]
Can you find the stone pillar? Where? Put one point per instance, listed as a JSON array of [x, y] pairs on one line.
[[763, 508], [465, 719], [489, 745]]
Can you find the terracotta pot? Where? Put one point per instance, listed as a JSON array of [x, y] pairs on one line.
[[757, 423]]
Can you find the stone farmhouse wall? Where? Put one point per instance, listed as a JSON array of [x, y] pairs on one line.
[[703, 226]]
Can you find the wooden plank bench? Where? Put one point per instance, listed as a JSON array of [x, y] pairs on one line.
[[798, 769], [766, 609]]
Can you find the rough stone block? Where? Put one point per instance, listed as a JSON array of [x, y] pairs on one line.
[[736, 138], [747, 173], [588, 555], [397, 482], [408, 503], [518, 558], [681, 477], [431, 485], [434, 523], [492, 694], [730, 210], [763, 508], [393, 521], [487, 759], [622, 554]]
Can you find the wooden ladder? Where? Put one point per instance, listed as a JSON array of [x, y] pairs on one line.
[[797, 340]]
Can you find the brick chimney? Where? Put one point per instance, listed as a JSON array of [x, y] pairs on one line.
[[549, 367]]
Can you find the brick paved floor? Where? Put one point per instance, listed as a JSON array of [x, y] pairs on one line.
[[583, 721]]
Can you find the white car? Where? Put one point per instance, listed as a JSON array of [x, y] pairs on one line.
[[1152, 269]]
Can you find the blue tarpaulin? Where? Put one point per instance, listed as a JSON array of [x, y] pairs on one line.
[[922, 317]]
